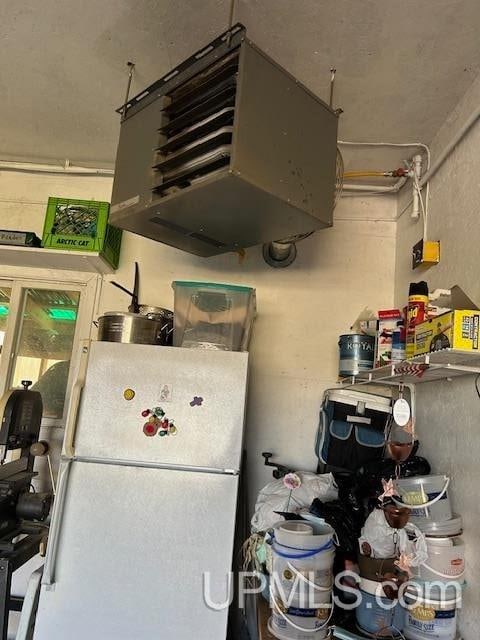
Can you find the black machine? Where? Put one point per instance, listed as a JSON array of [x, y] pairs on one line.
[[22, 511]]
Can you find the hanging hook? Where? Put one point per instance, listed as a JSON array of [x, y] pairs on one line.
[[131, 69], [332, 85], [230, 21]]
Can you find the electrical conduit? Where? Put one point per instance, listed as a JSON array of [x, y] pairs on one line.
[[431, 171], [67, 169]]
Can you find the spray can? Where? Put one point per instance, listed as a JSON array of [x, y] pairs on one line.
[[416, 313], [398, 342]]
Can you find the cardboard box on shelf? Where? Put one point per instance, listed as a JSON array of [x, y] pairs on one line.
[[388, 320], [455, 325], [457, 329]]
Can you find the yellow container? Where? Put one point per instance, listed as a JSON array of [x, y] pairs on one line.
[[455, 329]]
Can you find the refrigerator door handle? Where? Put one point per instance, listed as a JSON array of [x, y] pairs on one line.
[[30, 606], [56, 525], [71, 422]]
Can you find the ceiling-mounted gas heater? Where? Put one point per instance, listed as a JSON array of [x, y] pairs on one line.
[[226, 151]]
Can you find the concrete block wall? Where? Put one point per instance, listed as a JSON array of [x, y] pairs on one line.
[[448, 413]]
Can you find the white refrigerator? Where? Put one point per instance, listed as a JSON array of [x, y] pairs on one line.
[[143, 526]]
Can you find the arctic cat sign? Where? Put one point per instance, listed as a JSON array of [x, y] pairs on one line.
[[72, 242]]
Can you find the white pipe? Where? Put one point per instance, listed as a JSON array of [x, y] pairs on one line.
[[450, 147], [430, 173], [376, 188], [417, 172], [67, 169], [411, 145]]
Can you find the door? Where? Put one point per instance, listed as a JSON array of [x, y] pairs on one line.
[[42, 324], [44, 347], [129, 558], [5, 295], [202, 392]]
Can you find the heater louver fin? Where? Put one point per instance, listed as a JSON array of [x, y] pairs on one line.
[[197, 127]]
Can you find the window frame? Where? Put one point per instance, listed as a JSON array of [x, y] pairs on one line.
[[89, 287]]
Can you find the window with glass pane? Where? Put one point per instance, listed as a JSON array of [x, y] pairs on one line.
[[45, 345], [5, 293]]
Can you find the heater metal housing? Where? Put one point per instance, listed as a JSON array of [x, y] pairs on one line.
[[226, 151]]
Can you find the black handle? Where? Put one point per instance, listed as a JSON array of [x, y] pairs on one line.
[[134, 306], [119, 286], [280, 469]]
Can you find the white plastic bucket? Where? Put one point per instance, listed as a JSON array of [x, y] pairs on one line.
[[446, 559], [292, 623], [436, 590], [297, 565], [430, 619], [427, 497], [301, 581], [303, 534], [287, 532], [452, 527]]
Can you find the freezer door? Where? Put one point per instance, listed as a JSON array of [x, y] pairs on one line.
[[133, 548], [203, 392]]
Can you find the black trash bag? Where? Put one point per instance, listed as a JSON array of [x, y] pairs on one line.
[[371, 478], [346, 515], [340, 517], [351, 496]]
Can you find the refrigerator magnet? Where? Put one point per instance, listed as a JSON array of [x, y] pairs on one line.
[[166, 393], [150, 429]]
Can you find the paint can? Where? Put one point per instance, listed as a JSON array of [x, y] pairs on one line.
[[357, 353], [301, 581], [430, 619], [303, 534], [300, 623], [377, 615], [427, 498], [446, 559], [299, 559]]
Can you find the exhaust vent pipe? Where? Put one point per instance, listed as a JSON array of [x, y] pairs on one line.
[[281, 253]]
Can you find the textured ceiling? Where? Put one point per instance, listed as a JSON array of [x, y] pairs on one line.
[[402, 66]]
